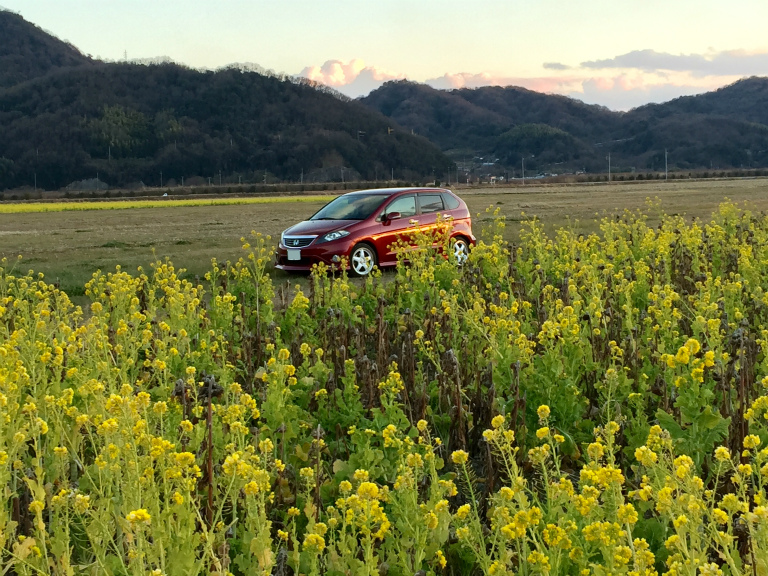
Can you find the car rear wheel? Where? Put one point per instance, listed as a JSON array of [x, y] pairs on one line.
[[461, 250], [362, 259]]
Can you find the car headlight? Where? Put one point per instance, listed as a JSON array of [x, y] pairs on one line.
[[334, 235]]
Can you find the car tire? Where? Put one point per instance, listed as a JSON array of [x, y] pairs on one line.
[[362, 259], [460, 249]]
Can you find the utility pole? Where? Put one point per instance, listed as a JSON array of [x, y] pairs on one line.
[[161, 178], [302, 175], [609, 166], [666, 166], [523, 169], [219, 177], [35, 181], [393, 175]]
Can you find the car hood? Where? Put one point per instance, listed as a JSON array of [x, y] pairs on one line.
[[318, 227]]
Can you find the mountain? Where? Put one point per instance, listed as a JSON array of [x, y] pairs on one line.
[[28, 52], [128, 122], [725, 128], [745, 100]]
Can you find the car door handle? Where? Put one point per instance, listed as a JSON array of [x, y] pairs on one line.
[[413, 221]]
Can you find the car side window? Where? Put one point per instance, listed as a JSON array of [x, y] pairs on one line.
[[451, 202], [406, 205], [430, 203]]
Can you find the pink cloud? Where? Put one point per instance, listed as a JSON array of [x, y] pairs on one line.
[[549, 84], [626, 91], [351, 78], [619, 89]]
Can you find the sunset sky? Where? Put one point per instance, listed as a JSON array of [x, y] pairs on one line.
[[619, 54]]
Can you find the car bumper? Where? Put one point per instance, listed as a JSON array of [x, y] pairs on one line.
[[330, 254]]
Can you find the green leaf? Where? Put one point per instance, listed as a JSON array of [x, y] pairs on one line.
[[709, 420], [668, 422]]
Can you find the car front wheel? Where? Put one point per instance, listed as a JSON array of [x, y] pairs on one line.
[[362, 260], [461, 250]]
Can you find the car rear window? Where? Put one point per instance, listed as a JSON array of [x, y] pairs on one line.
[[431, 203], [451, 202]]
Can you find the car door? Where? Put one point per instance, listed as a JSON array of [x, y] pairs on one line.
[[430, 205], [391, 231]]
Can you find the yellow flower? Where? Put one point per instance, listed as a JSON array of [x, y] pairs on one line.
[[722, 454], [627, 514], [368, 490], [751, 441], [646, 456], [720, 516], [542, 433], [140, 516], [314, 543], [543, 412], [459, 457], [498, 421], [683, 355], [537, 557], [463, 511]]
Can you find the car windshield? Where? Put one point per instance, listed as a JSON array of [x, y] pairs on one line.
[[350, 207]]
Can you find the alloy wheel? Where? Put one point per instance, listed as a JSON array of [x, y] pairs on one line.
[[461, 250], [363, 260]]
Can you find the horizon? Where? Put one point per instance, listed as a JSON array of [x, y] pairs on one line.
[[644, 64]]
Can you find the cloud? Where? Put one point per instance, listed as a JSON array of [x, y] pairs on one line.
[[725, 63], [626, 91], [620, 83], [555, 84], [555, 66], [351, 78]]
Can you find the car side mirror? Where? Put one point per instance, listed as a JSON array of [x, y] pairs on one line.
[[392, 216]]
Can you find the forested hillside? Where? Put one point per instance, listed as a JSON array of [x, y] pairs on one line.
[[28, 52], [65, 117], [727, 128], [128, 123]]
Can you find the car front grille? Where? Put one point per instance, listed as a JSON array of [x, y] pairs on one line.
[[298, 241]]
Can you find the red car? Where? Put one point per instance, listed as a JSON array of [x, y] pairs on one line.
[[362, 226]]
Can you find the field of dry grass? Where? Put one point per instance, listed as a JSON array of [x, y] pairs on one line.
[[67, 246]]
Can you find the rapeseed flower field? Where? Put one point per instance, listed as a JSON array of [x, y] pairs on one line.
[[580, 405]]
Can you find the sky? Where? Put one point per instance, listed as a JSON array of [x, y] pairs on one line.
[[619, 53]]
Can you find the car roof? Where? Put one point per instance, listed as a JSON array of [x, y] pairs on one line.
[[391, 191]]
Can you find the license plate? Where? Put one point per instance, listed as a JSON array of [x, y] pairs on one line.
[[294, 254]]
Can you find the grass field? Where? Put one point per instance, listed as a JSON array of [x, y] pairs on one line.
[[72, 240], [77, 206]]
